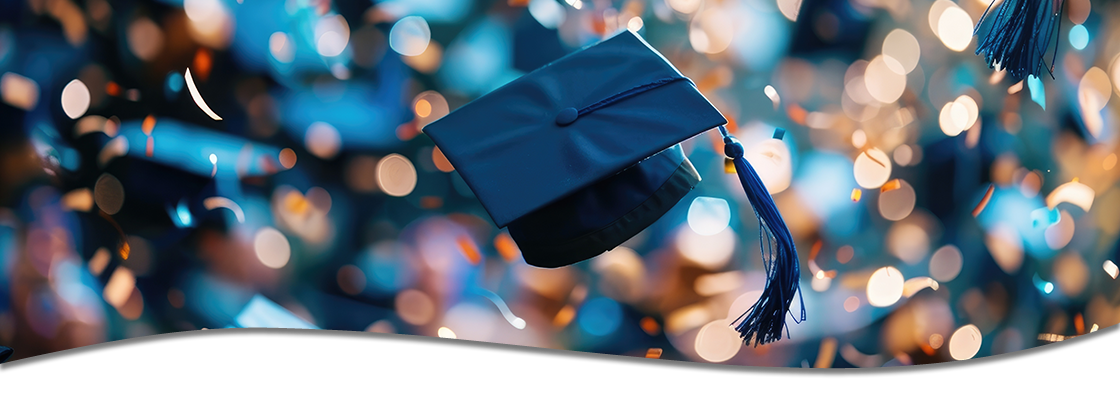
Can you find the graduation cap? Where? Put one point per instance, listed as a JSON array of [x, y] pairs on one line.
[[582, 154]]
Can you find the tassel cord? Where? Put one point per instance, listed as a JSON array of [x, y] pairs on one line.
[[1019, 35], [764, 322]]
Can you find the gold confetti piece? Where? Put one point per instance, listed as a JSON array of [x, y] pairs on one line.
[[1072, 192], [872, 158], [856, 195], [564, 317], [650, 326], [893, 184], [148, 125], [198, 97], [19, 91], [221, 202], [78, 200], [827, 353], [1015, 88], [119, 288], [914, 285], [1052, 337], [506, 247], [1094, 328], [99, 261], [125, 249], [654, 353], [816, 249], [984, 201], [1079, 323], [296, 203], [469, 249]]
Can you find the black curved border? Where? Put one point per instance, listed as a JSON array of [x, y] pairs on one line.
[[276, 353]]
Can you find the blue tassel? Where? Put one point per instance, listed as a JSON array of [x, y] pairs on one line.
[[1019, 35], [766, 319]]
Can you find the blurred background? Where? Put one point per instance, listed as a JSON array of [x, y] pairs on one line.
[[180, 165]]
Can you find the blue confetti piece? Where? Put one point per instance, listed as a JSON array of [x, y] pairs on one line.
[[1038, 92], [1045, 217], [263, 313]]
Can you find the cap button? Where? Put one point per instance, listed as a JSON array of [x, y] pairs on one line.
[[566, 116]]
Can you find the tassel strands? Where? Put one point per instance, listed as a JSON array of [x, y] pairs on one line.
[[1019, 35], [764, 322]]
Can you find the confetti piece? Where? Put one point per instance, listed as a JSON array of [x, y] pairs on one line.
[[198, 97], [124, 250], [564, 317], [1079, 323], [873, 159], [893, 184], [148, 125], [113, 89], [151, 147], [19, 91], [1111, 269], [469, 249], [78, 200], [221, 202], [773, 95], [1045, 217], [654, 353], [296, 203], [202, 63], [506, 247], [115, 148], [1094, 328], [261, 312], [728, 166], [513, 320], [1052, 337], [1072, 192], [827, 353], [119, 288], [650, 326], [914, 285], [856, 195], [1015, 88], [1038, 92], [984, 201], [99, 261]]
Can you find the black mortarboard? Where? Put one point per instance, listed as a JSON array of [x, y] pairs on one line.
[[582, 154]]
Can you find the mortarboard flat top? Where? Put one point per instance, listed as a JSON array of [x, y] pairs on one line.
[[580, 119]]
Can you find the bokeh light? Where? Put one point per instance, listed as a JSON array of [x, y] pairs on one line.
[[75, 99], [410, 36], [708, 216], [965, 342], [272, 247], [884, 288]]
